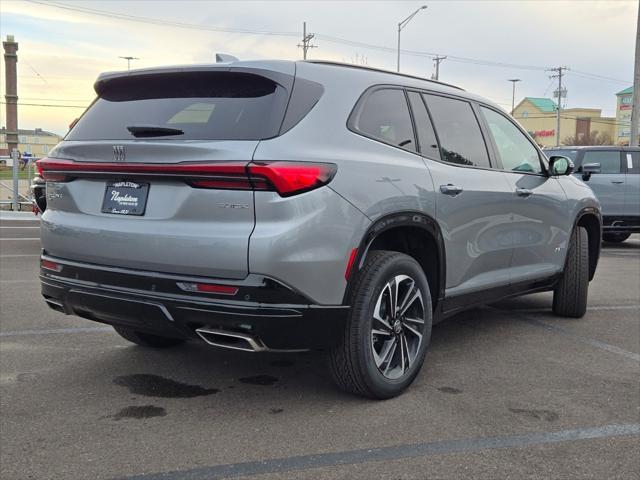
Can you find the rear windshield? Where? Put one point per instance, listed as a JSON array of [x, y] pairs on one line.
[[202, 105]]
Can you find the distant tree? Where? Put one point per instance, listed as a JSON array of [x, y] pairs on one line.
[[592, 138]]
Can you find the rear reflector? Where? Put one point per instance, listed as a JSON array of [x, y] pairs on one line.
[[208, 288], [286, 178], [352, 258], [49, 265]]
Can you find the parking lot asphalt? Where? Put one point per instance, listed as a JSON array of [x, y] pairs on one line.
[[507, 391]]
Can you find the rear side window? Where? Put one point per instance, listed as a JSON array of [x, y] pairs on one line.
[[384, 115], [609, 160], [460, 137], [201, 105], [426, 135]]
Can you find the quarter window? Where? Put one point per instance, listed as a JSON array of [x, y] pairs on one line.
[[384, 116], [458, 130], [609, 160], [633, 162], [515, 150]]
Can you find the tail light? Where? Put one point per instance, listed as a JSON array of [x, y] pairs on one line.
[[286, 178]]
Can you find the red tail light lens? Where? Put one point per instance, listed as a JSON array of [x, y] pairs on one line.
[[49, 265], [286, 178], [291, 178], [208, 288]]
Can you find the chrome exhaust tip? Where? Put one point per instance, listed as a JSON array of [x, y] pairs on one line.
[[231, 340]]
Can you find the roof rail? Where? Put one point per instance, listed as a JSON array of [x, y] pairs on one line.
[[381, 70]]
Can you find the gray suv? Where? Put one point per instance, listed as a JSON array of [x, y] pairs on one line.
[[288, 206], [613, 173]]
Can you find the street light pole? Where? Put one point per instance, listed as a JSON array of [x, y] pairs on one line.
[[403, 24], [513, 94]]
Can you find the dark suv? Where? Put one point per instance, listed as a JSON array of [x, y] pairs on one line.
[[288, 206], [613, 173]]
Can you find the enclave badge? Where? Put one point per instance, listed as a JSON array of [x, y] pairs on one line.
[[118, 153]]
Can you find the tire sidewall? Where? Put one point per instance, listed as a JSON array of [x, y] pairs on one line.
[[372, 287]]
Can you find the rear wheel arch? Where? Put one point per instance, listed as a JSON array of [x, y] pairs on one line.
[[590, 219], [414, 234]]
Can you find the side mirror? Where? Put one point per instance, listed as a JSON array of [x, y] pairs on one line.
[[588, 169], [559, 165]]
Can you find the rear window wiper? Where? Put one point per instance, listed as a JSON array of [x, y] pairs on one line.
[[139, 131]]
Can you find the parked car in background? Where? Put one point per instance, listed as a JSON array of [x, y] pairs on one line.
[[285, 206], [613, 173]]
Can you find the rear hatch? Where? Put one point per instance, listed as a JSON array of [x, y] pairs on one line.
[[153, 176]]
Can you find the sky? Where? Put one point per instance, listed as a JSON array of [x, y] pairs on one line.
[[64, 45]]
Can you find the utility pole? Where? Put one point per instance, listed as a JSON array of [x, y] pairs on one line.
[[306, 41], [128, 59], [513, 93], [560, 72], [635, 109], [403, 24], [437, 60]]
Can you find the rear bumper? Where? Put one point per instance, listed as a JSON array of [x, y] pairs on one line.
[[281, 318]]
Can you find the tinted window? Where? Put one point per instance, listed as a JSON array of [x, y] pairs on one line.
[[204, 105], [609, 160], [515, 150], [426, 136], [633, 162], [384, 115], [570, 154], [458, 131]]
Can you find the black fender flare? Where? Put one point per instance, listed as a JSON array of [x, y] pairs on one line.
[[394, 220]]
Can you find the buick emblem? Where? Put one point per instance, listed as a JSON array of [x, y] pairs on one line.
[[118, 153]]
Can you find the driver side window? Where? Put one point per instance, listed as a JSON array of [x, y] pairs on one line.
[[515, 150]]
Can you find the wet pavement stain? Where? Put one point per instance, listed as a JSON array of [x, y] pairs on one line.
[[139, 413], [547, 415], [451, 390], [157, 386], [259, 380], [276, 410], [282, 363]]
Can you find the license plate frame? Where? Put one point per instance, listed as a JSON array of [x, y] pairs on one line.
[[125, 197]]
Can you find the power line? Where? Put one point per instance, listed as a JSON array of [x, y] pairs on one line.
[[47, 105], [328, 38], [156, 21]]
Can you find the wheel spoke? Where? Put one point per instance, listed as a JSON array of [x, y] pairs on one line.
[[413, 320], [376, 331], [384, 354], [410, 301], [407, 296], [390, 356], [406, 350], [413, 331], [377, 316], [393, 297]]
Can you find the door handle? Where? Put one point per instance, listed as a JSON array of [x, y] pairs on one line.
[[617, 182], [451, 190], [523, 192]]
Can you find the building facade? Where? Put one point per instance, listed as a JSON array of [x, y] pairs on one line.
[[538, 117], [624, 107], [36, 142]]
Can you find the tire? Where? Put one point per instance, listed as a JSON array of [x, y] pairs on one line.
[[147, 339], [358, 363], [615, 237], [570, 294]]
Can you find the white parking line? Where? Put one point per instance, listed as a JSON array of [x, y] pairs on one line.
[[20, 255], [19, 239], [21, 228]]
